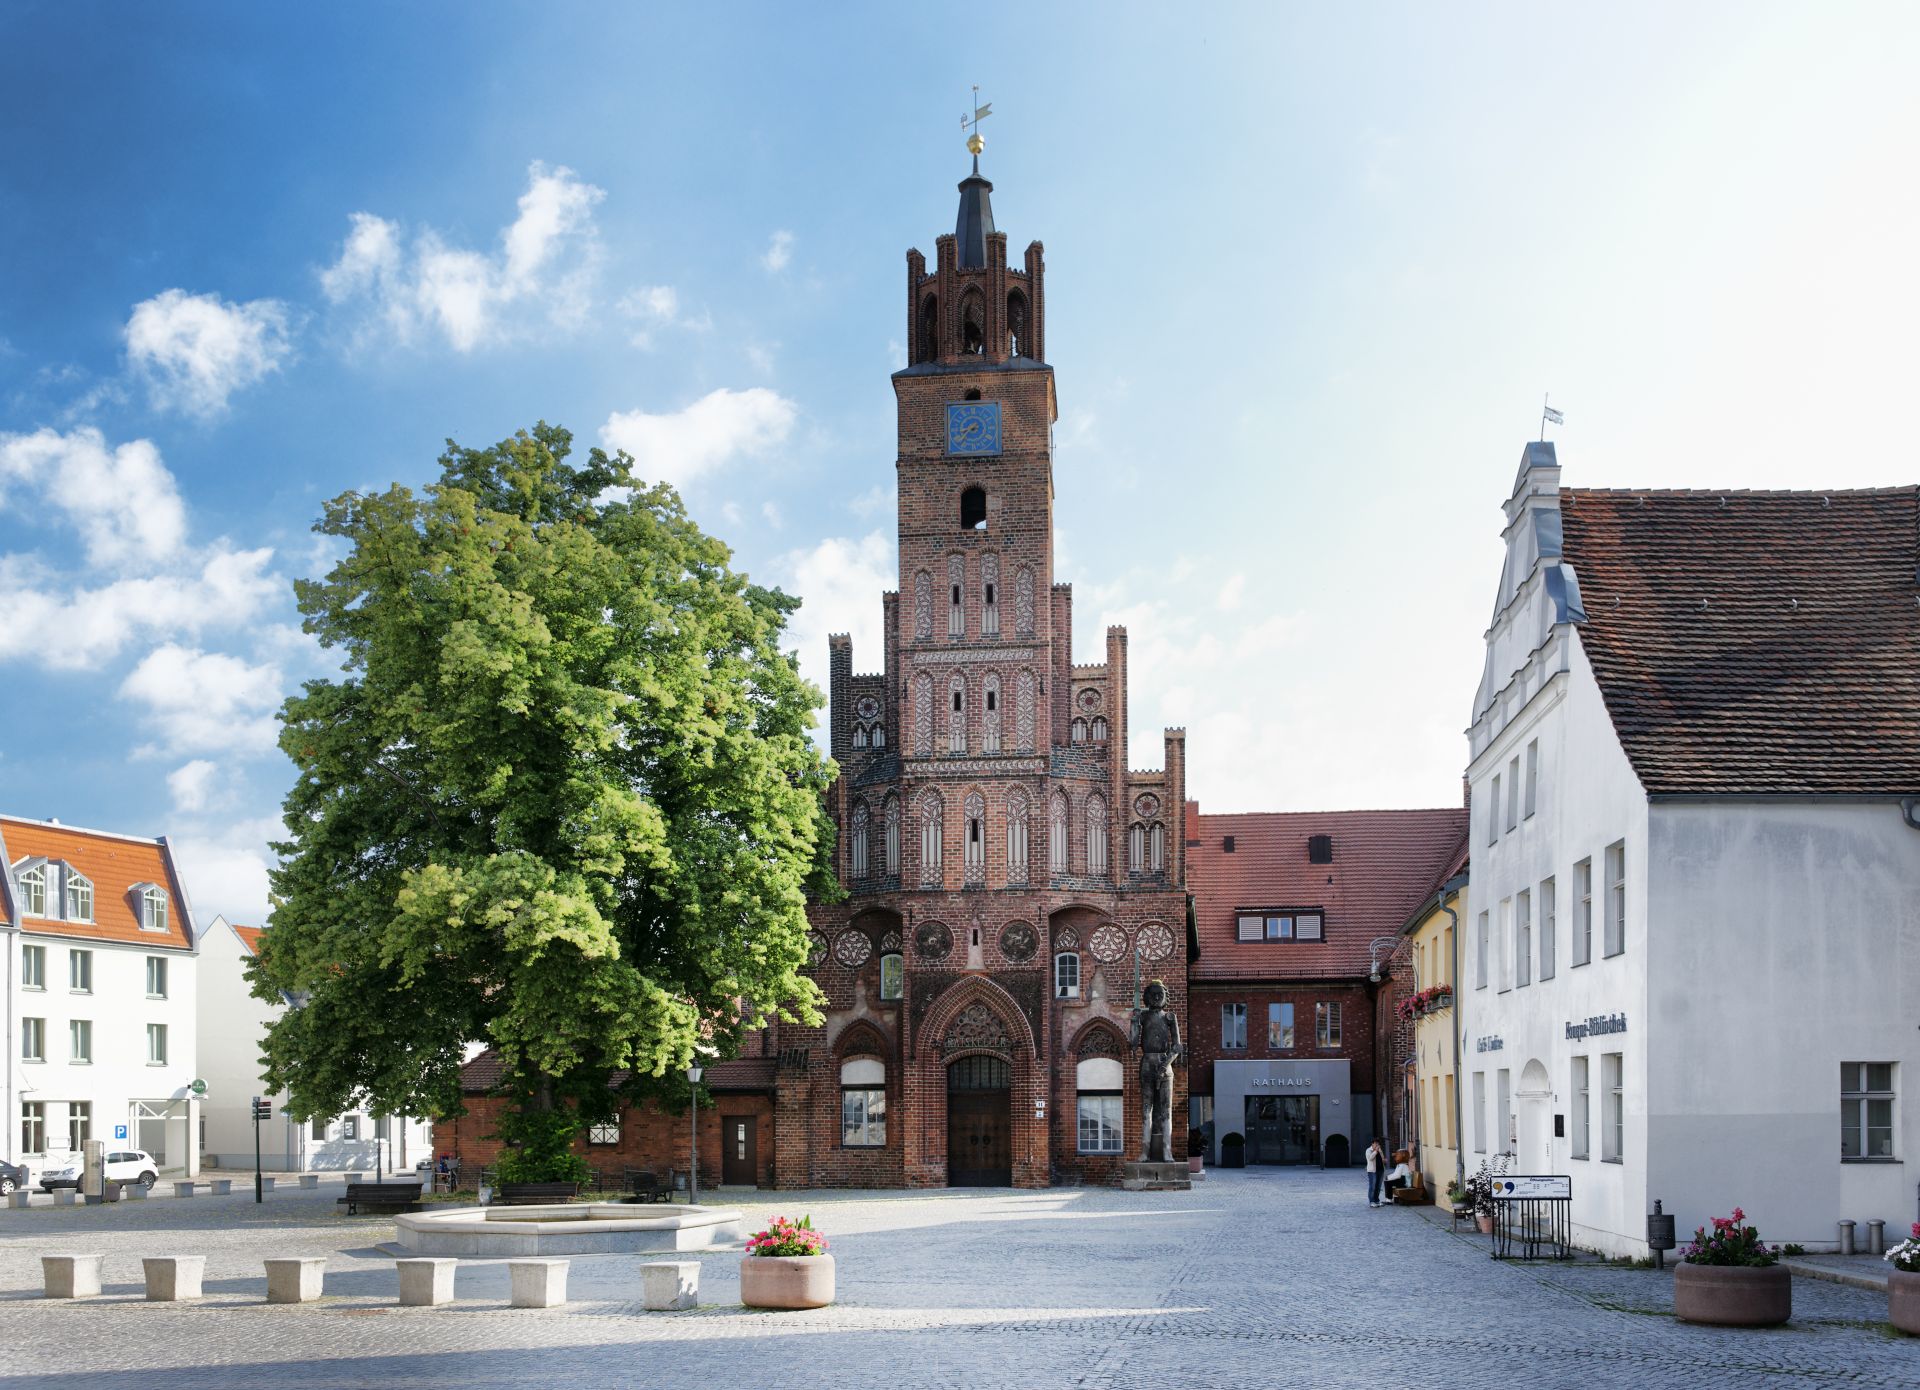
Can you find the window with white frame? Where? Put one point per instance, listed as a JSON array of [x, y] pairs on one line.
[[1479, 1112], [1279, 1027], [1616, 941], [1532, 801], [80, 971], [1546, 929], [605, 1132], [1583, 912], [153, 909], [1066, 975], [1513, 792], [1233, 1027], [1522, 938], [1866, 1110], [79, 1124], [863, 1103], [1326, 1024], [156, 977], [1480, 952], [156, 1044], [33, 967], [1613, 1130], [80, 1040], [1503, 947], [350, 1128], [79, 897], [893, 976], [33, 891], [1493, 811], [33, 1127], [33, 1040], [1098, 1083], [1580, 1117]]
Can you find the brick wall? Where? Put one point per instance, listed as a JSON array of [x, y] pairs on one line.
[[1356, 1027], [649, 1138]]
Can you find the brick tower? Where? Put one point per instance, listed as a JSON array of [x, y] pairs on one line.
[[1009, 878]]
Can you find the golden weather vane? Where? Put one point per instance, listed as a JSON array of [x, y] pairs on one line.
[[975, 143]]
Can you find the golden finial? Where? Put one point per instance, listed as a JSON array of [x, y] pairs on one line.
[[975, 143]]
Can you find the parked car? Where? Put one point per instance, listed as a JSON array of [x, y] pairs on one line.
[[123, 1165], [12, 1175]]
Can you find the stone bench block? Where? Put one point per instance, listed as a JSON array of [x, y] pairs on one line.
[[20, 1198], [71, 1276], [174, 1278], [223, 1187], [296, 1280], [134, 1192], [353, 1177], [426, 1283], [538, 1283], [670, 1286], [185, 1189], [266, 1184], [309, 1181], [66, 1196]]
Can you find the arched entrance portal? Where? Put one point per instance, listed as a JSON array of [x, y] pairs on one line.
[[1533, 1145], [979, 1122]]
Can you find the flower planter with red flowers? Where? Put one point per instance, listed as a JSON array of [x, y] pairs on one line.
[[1903, 1284], [1731, 1278], [787, 1266]]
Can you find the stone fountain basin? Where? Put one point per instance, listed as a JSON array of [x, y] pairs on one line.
[[576, 1228]]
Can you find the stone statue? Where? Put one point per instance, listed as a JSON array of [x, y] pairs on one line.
[[1157, 1034]]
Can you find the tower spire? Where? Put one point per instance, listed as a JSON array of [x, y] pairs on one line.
[[975, 222]]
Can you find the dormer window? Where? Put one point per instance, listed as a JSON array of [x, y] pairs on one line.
[[33, 891], [153, 907], [79, 897]]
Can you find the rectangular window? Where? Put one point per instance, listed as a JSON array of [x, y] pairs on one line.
[[79, 898], [1503, 948], [1326, 1024], [606, 1132], [1522, 938], [1479, 1112], [863, 1117], [156, 977], [33, 892], [350, 1128], [1066, 975], [79, 1124], [156, 1044], [1513, 792], [1453, 1136], [1579, 1103], [1503, 1093], [1233, 1027], [1279, 928], [1583, 912], [33, 1040], [153, 910], [1250, 926], [1480, 954], [33, 1127], [1101, 1122], [1279, 1027], [1546, 929], [893, 976], [1616, 897], [1493, 812], [1533, 777], [80, 971], [33, 967], [382, 1125], [1866, 1110], [80, 1040], [319, 1130], [1613, 1131], [1445, 970]]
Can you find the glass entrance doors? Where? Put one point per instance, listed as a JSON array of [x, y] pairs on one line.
[[1283, 1129]]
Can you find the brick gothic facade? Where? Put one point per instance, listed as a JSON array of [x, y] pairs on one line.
[[989, 823]]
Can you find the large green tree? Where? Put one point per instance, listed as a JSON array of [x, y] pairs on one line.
[[561, 800]]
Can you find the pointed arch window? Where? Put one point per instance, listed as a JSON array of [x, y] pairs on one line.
[[879, 735], [1097, 730], [1096, 834], [1099, 1083], [930, 828], [891, 815], [990, 596], [973, 323], [929, 329], [1136, 848], [1077, 731], [857, 842], [1057, 833], [990, 713], [1016, 835], [863, 1103], [1016, 324], [859, 735], [976, 810], [956, 596], [1157, 848], [957, 714]]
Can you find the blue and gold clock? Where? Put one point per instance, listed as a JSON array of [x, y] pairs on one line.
[[973, 427]]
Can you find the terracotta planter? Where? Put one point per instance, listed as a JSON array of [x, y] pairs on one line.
[[1733, 1295], [1194, 1162], [1903, 1301], [1486, 1223], [786, 1281]]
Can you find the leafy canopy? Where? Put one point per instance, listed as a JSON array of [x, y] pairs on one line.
[[561, 799]]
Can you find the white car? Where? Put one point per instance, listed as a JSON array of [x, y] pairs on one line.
[[123, 1165]]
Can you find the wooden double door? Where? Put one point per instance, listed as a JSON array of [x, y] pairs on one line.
[[979, 1123]]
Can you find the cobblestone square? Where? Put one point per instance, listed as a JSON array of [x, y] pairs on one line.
[[1257, 1278]]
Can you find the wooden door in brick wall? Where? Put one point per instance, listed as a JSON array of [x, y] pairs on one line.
[[979, 1123], [739, 1164]]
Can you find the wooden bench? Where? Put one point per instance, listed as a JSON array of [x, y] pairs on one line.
[[533, 1194], [380, 1196]]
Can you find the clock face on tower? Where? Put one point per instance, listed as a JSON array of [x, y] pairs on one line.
[[973, 427]]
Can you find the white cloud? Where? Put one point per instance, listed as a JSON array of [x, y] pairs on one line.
[[685, 444], [873, 501], [206, 701], [839, 582], [760, 355], [1232, 592], [191, 784], [779, 253], [196, 350], [657, 307], [543, 272], [123, 501], [771, 511], [225, 867]]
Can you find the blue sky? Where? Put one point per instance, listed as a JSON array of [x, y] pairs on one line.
[[1309, 273]]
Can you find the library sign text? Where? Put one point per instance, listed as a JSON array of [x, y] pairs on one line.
[[1599, 1023]]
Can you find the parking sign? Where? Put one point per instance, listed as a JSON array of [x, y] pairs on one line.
[[119, 1131]]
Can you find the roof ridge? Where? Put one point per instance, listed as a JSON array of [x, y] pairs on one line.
[[1897, 490], [84, 830]]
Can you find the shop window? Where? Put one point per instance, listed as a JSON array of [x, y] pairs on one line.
[[1098, 1082], [1866, 1110], [863, 1103]]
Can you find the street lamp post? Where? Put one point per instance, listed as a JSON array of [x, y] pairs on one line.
[[693, 1131]]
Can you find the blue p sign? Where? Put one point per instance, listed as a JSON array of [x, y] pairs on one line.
[[119, 1131]]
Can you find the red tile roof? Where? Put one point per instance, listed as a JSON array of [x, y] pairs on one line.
[[250, 938], [114, 864], [484, 1073], [1384, 864], [1755, 642]]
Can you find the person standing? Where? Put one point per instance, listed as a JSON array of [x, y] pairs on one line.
[[1376, 1168]]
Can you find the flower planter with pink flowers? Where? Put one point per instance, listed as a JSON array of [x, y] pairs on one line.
[[787, 1266], [1903, 1284], [1731, 1278]]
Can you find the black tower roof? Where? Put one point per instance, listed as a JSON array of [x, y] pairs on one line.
[[975, 223]]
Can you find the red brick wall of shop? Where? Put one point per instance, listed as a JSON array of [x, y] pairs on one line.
[[649, 1137], [1356, 1028]]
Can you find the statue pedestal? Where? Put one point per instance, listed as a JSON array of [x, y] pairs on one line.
[[1136, 1176]]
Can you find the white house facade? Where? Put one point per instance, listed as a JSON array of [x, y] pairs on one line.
[[1692, 968], [100, 986]]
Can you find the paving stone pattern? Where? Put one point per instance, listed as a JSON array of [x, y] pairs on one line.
[[1271, 1278]]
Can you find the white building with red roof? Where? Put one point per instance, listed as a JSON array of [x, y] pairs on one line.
[[101, 947]]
